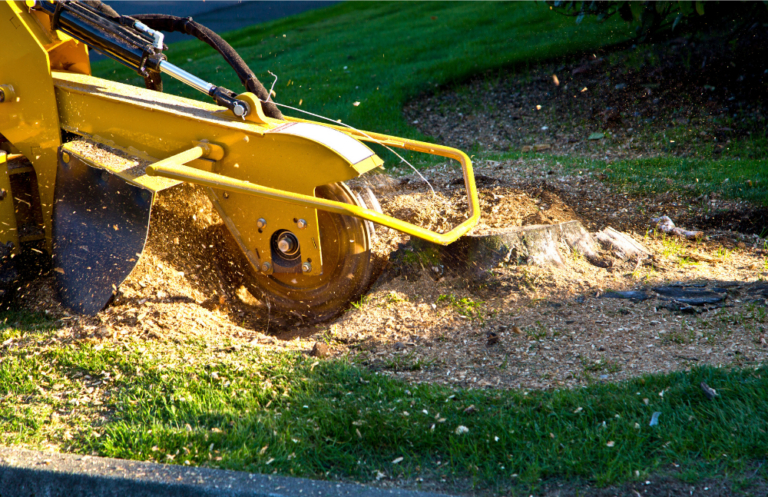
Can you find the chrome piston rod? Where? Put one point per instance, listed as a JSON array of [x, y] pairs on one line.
[[240, 109], [186, 78]]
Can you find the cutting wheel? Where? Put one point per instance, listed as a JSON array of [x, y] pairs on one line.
[[294, 298]]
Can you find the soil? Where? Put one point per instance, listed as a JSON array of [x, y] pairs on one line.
[[523, 327], [547, 327], [688, 97]]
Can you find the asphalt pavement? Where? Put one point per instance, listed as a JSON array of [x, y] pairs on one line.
[[26, 473]]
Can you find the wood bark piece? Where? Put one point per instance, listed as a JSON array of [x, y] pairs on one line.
[[665, 224], [474, 255], [623, 245]]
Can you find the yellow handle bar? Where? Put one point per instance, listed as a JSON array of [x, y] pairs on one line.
[[174, 168]]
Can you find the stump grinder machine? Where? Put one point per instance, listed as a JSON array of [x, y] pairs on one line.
[[277, 182]]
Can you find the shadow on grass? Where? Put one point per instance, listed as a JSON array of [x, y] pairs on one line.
[[263, 411], [334, 419]]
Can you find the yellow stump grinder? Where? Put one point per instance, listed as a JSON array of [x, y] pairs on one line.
[[277, 182]]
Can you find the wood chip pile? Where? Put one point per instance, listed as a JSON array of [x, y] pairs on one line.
[[526, 326]]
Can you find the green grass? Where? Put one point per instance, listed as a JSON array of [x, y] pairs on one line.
[[245, 409], [470, 309], [382, 54], [745, 179]]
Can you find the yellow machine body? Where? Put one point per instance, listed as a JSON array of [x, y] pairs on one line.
[[261, 174]]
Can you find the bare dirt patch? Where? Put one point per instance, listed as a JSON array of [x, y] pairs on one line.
[[687, 97], [522, 326], [543, 327]]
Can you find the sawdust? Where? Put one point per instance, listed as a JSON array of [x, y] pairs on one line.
[[547, 327], [175, 292], [502, 204], [526, 326]]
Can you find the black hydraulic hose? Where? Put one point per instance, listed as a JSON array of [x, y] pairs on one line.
[[186, 25], [103, 8]]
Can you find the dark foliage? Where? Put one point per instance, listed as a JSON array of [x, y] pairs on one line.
[[653, 17]]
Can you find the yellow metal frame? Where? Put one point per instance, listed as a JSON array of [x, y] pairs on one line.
[[246, 164], [174, 168]]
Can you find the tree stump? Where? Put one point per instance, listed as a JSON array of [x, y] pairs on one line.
[[623, 246], [473, 256]]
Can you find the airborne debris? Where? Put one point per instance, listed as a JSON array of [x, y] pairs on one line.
[[320, 350], [655, 418], [539, 307]]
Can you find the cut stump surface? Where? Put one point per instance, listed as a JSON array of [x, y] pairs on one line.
[[473, 256]]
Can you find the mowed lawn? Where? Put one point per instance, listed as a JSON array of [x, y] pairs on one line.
[[237, 407], [382, 53]]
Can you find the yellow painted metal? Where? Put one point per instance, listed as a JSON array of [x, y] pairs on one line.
[[254, 104], [250, 163], [181, 158], [161, 125], [423, 147], [176, 170], [30, 122], [8, 231], [128, 163], [286, 163], [68, 54]]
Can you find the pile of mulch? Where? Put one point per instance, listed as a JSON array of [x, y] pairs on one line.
[[525, 326]]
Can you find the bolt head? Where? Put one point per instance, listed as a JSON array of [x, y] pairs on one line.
[[306, 267], [261, 222], [65, 157], [266, 267], [301, 224], [239, 110]]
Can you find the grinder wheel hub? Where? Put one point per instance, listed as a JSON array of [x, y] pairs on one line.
[[297, 298], [287, 244]]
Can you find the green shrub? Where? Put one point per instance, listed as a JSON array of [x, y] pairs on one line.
[[652, 17]]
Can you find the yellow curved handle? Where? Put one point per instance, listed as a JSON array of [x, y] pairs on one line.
[[174, 168]]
